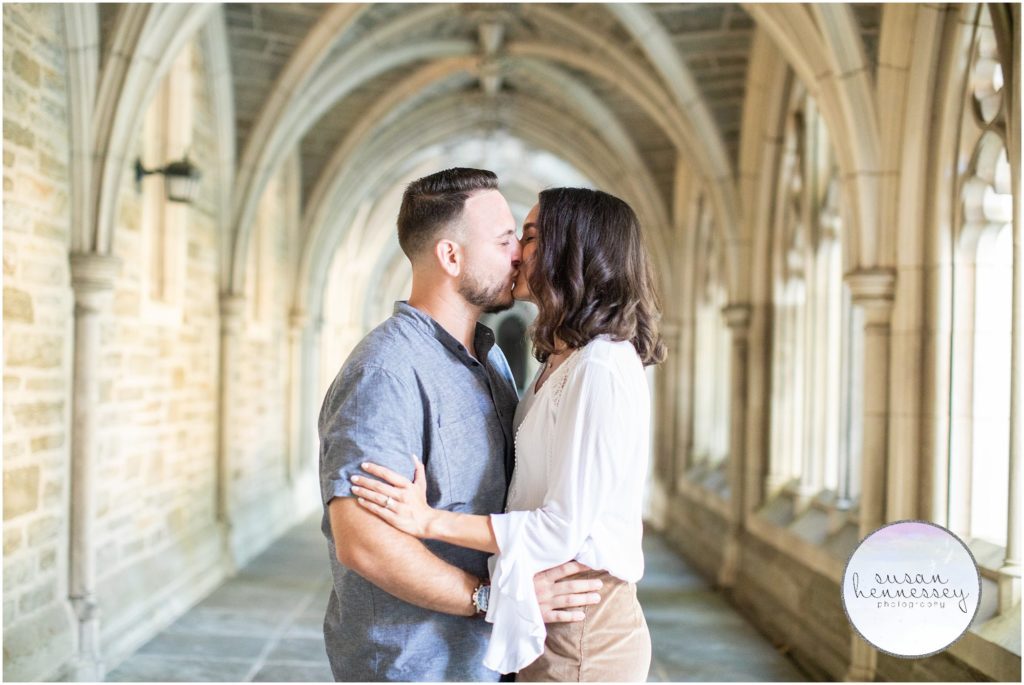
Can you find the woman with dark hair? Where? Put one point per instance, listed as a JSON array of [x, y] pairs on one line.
[[582, 436]]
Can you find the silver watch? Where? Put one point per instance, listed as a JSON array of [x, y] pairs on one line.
[[481, 598]]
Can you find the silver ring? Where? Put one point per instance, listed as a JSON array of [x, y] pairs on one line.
[[387, 503]]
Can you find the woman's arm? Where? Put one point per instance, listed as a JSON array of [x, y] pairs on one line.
[[465, 530], [403, 504]]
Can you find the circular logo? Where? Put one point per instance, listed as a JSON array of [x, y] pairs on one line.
[[911, 588]]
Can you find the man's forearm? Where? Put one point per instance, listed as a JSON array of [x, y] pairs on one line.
[[398, 563]]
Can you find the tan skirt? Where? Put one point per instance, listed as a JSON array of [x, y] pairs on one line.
[[611, 644]]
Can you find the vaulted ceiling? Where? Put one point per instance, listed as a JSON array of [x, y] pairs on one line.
[[712, 40]]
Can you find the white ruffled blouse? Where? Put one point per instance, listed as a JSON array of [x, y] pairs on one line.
[[582, 449]]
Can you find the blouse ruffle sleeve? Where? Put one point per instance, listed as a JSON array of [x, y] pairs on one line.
[[587, 455]]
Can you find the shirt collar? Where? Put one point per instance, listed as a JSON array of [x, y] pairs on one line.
[[483, 337]]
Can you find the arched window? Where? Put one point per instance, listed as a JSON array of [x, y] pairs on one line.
[[166, 137], [982, 309], [811, 418], [712, 346]]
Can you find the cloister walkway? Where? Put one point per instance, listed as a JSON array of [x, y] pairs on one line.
[[264, 624]]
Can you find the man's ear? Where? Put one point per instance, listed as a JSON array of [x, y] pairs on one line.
[[449, 255]]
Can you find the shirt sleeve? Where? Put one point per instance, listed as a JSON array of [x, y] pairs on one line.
[[588, 454], [368, 415]]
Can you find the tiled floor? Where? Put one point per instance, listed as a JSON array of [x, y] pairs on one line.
[[695, 634], [265, 625]]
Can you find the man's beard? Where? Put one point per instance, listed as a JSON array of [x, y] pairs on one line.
[[492, 299]]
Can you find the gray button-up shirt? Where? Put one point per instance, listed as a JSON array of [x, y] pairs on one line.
[[410, 387]]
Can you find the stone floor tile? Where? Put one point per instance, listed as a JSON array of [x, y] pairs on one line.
[[298, 649], [294, 673], [154, 668], [211, 620], [195, 645]]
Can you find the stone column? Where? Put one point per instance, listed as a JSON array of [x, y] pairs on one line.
[[872, 291], [1009, 574], [677, 341], [92, 279], [309, 410], [297, 328], [232, 321], [757, 428], [737, 317], [666, 414]]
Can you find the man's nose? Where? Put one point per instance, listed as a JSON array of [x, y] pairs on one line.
[[517, 255]]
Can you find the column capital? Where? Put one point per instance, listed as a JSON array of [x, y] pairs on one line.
[[232, 312], [737, 317], [873, 290], [872, 286], [92, 277]]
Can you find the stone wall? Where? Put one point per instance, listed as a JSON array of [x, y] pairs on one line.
[[158, 547], [264, 499], [38, 625], [800, 609]]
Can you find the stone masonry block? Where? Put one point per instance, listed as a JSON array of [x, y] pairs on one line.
[[17, 306], [47, 559], [19, 135], [34, 350], [25, 67], [38, 597], [47, 442], [16, 574], [13, 537], [44, 530], [21, 491], [31, 414]]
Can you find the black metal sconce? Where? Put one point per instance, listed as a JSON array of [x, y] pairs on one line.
[[181, 179]]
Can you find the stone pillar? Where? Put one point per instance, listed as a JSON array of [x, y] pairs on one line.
[[737, 317], [872, 291], [666, 412], [679, 350], [309, 410], [757, 428], [297, 328], [1009, 574], [92, 279], [232, 321]]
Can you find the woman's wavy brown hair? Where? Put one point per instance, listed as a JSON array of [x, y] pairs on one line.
[[592, 275]]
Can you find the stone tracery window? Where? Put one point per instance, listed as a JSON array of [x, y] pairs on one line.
[[811, 454], [712, 351], [982, 309]]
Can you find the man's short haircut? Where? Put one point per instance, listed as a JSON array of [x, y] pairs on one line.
[[434, 203]]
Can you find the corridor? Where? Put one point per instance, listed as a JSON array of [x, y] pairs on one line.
[[263, 625], [201, 206]]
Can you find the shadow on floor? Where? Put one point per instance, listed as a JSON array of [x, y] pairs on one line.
[[264, 624]]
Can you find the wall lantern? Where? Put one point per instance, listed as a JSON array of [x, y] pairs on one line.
[[181, 179]]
